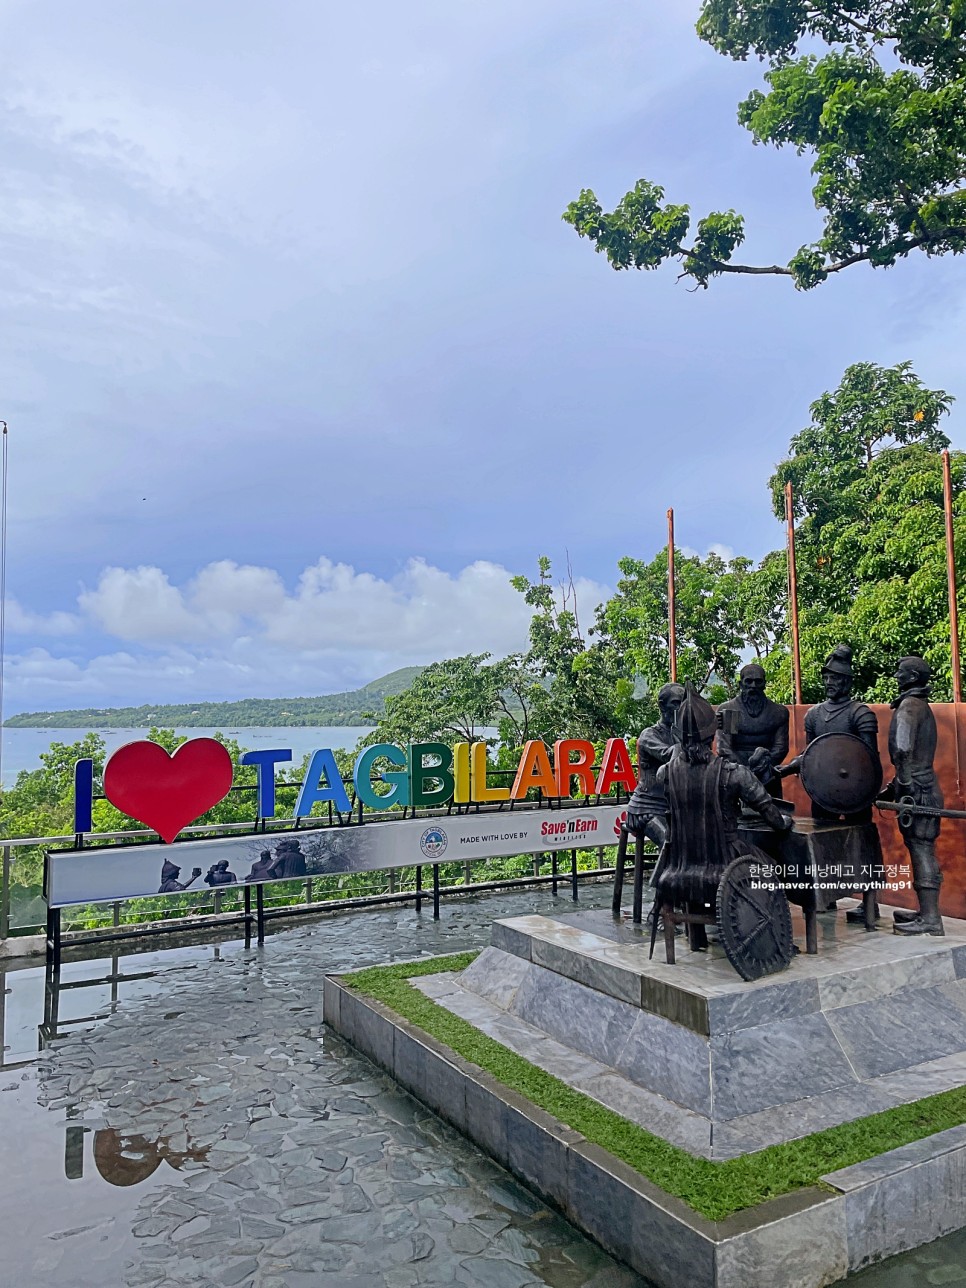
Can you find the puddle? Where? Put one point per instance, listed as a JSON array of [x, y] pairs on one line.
[[192, 1124]]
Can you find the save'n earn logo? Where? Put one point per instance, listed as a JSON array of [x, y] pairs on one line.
[[433, 842]]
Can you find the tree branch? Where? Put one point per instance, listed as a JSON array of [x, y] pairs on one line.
[[898, 248]]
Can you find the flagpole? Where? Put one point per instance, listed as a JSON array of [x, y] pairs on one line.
[[793, 592], [951, 581], [671, 607]]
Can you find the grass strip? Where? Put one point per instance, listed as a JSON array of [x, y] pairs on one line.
[[715, 1189]]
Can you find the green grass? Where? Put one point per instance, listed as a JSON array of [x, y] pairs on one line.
[[716, 1190]]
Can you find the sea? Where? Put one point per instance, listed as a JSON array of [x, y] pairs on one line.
[[22, 748]]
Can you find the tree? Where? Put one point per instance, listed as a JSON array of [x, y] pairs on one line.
[[882, 112], [720, 614], [588, 690], [450, 701], [870, 537]]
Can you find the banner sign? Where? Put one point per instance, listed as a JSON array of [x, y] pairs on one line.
[[93, 875]]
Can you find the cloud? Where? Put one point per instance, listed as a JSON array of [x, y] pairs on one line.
[[727, 553], [21, 621], [234, 630]]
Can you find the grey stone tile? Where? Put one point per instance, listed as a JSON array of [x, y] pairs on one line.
[[805, 1248], [752, 1132], [537, 1148], [495, 975], [595, 971], [682, 1127], [909, 1208], [900, 1031], [956, 992], [587, 1021], [511, 939], [331, 995], [788, 1000], [959, 960], [367, 1029], [887, 977], [927, 1079], [486, 1115], [668, 1059], [655, 1234], [758, 1068]]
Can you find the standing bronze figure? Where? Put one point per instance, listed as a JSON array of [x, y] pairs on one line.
[[753, 730], [839, 713], [704, 794], [912, 750]]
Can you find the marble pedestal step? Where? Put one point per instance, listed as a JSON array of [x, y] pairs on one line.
[[808, 1239], [698, 1133], [711, 1062], [704, 993]]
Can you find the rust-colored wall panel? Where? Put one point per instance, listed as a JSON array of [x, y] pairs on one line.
[[950, 759]]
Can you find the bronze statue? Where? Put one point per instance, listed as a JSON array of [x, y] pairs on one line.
[[648, 805], [753, 730], [912, 750], [704, 794], [839, 713]]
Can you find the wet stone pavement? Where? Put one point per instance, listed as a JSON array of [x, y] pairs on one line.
[[209, 1131], [267, 1152]]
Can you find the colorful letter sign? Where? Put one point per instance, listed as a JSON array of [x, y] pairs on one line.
[[168, 792]]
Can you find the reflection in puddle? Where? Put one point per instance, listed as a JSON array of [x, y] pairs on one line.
[[122, 1158]]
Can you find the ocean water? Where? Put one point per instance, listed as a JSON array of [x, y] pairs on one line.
[[22, 748]]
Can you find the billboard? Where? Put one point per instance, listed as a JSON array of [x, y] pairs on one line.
[[102, 875]]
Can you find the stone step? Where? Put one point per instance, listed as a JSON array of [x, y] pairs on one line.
[[703, 992]]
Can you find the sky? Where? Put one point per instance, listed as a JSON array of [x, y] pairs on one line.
[[301, 365]]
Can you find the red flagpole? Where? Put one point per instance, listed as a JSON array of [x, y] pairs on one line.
[[671, 609], [793, 592], [951, 581]]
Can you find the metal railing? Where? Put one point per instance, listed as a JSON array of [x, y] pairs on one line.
[[297, 897]]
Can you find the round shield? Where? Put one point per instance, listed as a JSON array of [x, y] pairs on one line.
[[754, 924], [840, 773]]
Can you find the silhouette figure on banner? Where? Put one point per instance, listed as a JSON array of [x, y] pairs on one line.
[[220, 875], [169, 878]]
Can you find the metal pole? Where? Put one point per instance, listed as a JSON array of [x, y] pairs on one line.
[[671, 607], [5, 895], [793, 593], [436, 892], [951, 581]]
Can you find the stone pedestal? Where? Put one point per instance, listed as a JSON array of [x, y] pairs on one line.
[[718, 1067]]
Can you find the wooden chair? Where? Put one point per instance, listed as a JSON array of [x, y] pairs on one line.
[[694, 923]]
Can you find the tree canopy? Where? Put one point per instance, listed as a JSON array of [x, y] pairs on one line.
[[882, 113]]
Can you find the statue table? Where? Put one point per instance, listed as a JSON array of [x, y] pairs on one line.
[[817, 863]]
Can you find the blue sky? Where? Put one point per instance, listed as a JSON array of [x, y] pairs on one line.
[[300, 363]]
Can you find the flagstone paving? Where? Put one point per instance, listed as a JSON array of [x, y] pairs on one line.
[[286, 1159], [209, 1131]]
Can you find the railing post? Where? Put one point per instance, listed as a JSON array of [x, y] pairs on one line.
[[5, 896]]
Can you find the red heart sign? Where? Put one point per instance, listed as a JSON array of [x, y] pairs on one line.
[[168, 792]]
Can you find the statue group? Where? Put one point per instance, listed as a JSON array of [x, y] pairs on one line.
[[703, 773]]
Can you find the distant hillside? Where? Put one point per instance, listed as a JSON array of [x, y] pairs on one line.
[[331, 709]]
